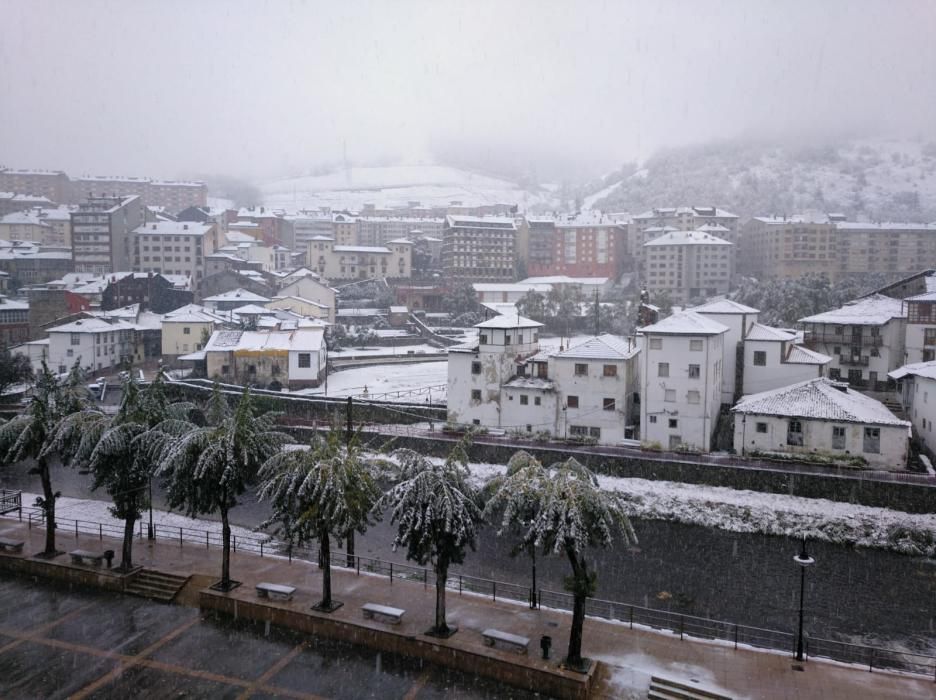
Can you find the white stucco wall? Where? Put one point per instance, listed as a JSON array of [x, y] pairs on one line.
[[920, 400], [176, 342], [591, 391], [774, 374], [738, 325], [817, 438], [914, 342], [517, 416]]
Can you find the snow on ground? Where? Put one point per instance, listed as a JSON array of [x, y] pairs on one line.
[[413, 378], [630, 675], [738, 510], [590, 200]]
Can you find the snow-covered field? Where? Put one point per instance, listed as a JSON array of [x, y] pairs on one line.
[[431, 185], [382, 379]]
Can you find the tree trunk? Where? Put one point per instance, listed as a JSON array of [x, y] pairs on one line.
[[126, 553], [579, 588], [225, 549], [325, 555], [49, 505], [441, 571], [349, 549]]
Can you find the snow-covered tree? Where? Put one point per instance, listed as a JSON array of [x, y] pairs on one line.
[[319, 493], [571, 514], [29, 435], [436, 511], [209, 468]]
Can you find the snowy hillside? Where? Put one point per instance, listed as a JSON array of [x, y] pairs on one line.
[[431, 185], [876, 179]]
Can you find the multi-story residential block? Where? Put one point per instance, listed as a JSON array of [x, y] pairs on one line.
[[171, 194], [865, 339], [917, 382], [95, 343], [920, 339], [10, 203], [28, 226], [273, 227], [174, 247], [344, 262], [59, 218], [294, 359], [479, 249], [793, 246], [51, 184], [657, 222], [681, 381], [738, 319], [775, 358], [380, 230], [308, 225], [102, 233], [539, 252], [821, 417], [883, 247], [688, 265], [14, 321], [28, 264], [586, 245]]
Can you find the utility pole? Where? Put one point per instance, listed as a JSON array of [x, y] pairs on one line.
[[349, 435]]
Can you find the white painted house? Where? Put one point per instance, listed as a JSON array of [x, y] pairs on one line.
[[920, 345], [918, 396], [774, 358], [289, 358], [738, 318], [681, 380], [95, 343], [821, 417], [864, 338]]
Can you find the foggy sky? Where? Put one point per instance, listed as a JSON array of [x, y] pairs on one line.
[[257, 89]]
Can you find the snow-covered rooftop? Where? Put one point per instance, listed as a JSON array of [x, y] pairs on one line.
[[917, 369], [807, 218], [238, 294], [305, 339], [708, 212], [375, 249], [494, 287], [686, 238], [563, 279], [685, 323], [173, 228], [759, 331], [508, 322], [884, 226], [724, 306], [92, 325], [252, 310], [800, 355], [530, 383], [819, 398], [500, 222], [601, 347], [874, 310]]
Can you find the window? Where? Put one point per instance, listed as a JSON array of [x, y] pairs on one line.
[[693, 371], [675, 441], [305, 360], [760, 358], [75, 339], [652, 419], [70, 352], [483, 338], [609, 371], [275, 370], [476, 368], [608, 404], [795, 433], [837, 330], [656, 343], [572, 401], [507, 339], [225, 369], [674, 422], [663, 369], [929, 336], [594, 432], [578, 430], [537, 400], [762, 428], [838, 437], [872, 440], [835, 373], [524, 400], [693, 396], [670, 396], [475, 394], [581, 370], [186, 331], [695, 345]]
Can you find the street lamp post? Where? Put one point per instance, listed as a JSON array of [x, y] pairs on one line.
[[150, 533], [802, 560]]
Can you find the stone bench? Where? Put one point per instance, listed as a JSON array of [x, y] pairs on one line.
[[514, 642], [382, 613], [11, 545], [83, 556], [275, 590]]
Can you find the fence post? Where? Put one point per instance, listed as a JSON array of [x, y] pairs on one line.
[[207, 543], [425, 578], [76, 529], [871, 661], [261, 548], [735, 636], [29, 521], [459, 584], [180, 537], [357, 564], [235, 542], [391, 572], [681, 623], [494, 590], [100, 529]]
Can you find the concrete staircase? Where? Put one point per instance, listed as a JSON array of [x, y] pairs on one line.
[[664, 689], [156, 585]]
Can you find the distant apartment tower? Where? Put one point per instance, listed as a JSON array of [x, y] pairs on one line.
[[788, 246], [380, 230], [52, 184], [479, 248], [174, 248], [273, 228], [883, 247], [652, 224], [171, 194], [687, 266], [101, 233]]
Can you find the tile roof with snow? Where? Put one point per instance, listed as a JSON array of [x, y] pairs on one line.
[[759, 331], [685, 323], [724, 306], [252, 310], [659, 212], [499, 222], [173, 228], [307, 338], [800, 355], [375, 249], [875, 310], [238, 294], [884, 226], [822, 399], [601, 347], [686, 238], [508, 322], [92, 325], [563, 279], [917, 369]]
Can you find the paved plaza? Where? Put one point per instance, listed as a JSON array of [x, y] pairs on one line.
[[56, 642]]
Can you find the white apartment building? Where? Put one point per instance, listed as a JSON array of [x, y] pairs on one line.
[[186, 329], [94, 343], [821, 417], [653, 223], [393, 260], [774, 358], [688, 265], [478, 371], [864, 338], [174, 248], [739, 319], [920, 344], [681, 379], [313, 290], [918, 397]]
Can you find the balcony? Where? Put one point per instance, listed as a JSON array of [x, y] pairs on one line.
[[854, 360], [813, 338]]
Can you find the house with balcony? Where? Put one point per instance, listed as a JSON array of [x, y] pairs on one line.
[[917, 382], [920, 343], [865, 339], [821, 418], [681, 369]]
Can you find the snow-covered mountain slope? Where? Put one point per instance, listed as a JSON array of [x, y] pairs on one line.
[[871, 179], [431, 185]]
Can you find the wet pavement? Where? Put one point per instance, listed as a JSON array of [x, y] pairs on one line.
[[57, 642]]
